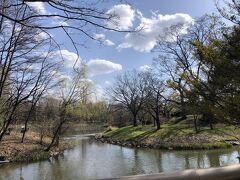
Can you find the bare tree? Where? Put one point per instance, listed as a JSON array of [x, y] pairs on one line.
[[70, 93], [23, 65], [76, 15], [69, 16], [129, 90], [229, 10], [174, 60], [154, 102]]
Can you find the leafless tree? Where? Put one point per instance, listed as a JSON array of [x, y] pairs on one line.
[[129, 90], [69, 16], [69, 94], [24, 67], [154, 103], [229, 9]]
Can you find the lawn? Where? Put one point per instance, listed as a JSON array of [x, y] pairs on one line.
[[178, 136]]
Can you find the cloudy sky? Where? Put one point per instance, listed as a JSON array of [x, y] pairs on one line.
[[119, 52]]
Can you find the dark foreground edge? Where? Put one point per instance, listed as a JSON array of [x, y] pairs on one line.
[[221, 173]]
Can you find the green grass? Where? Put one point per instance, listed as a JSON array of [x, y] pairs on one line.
[[176, 136], [35, 156], [130, 133]]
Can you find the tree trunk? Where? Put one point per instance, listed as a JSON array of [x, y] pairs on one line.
[[134, 120], [3, 130], [158, 123], [25, 124], [5, 127], [24, 132], [211, 124], [27, 119], [55, 136], [195, 124]]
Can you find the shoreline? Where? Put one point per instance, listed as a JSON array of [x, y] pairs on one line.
[[33, 155], [135, 144], [37, 153], [12, 150], [148, 137]]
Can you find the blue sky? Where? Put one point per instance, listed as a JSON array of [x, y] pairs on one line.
[[134, 54]]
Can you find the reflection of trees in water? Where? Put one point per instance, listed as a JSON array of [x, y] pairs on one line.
[[55, 169], [238, 156], [187, 164], [83, 149], [201, 160], [21, 175], [159, 161], [137, 165], [213, 159], [156, 161], [91, 159], [194, 160]]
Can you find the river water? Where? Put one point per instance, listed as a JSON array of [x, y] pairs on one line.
[[94, 160]]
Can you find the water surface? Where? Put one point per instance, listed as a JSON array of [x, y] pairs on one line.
[[93, 160]]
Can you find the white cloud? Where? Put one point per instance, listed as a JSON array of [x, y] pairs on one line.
[[69, 58], [41, 36], [153, 28], [144, 68], [38, 7], [107, 42], [123, 17], [101, 66], [102, 38]]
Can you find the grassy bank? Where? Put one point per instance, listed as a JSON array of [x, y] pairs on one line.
[[173, 136]]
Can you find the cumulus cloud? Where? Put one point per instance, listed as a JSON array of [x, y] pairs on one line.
[[38, 7], [101, 66], [102, 38], [144, 68], [123, 17], [69, 58], [153, 28]]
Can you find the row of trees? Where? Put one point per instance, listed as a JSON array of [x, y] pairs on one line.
[[196, 73], [137, 92], [29, 70]]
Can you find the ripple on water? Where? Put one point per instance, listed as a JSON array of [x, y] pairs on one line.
[[91, 160]]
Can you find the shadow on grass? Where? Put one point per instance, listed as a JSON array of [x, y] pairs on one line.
[[142, 132]]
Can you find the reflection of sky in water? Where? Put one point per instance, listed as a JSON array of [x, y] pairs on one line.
[[90, 160]]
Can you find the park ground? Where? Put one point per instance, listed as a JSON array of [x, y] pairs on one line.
[[173, 136], [31, 149]]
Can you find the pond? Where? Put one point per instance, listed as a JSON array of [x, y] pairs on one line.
[[94, 160]]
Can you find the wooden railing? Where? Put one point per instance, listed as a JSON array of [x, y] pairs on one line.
[[220, 173]]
